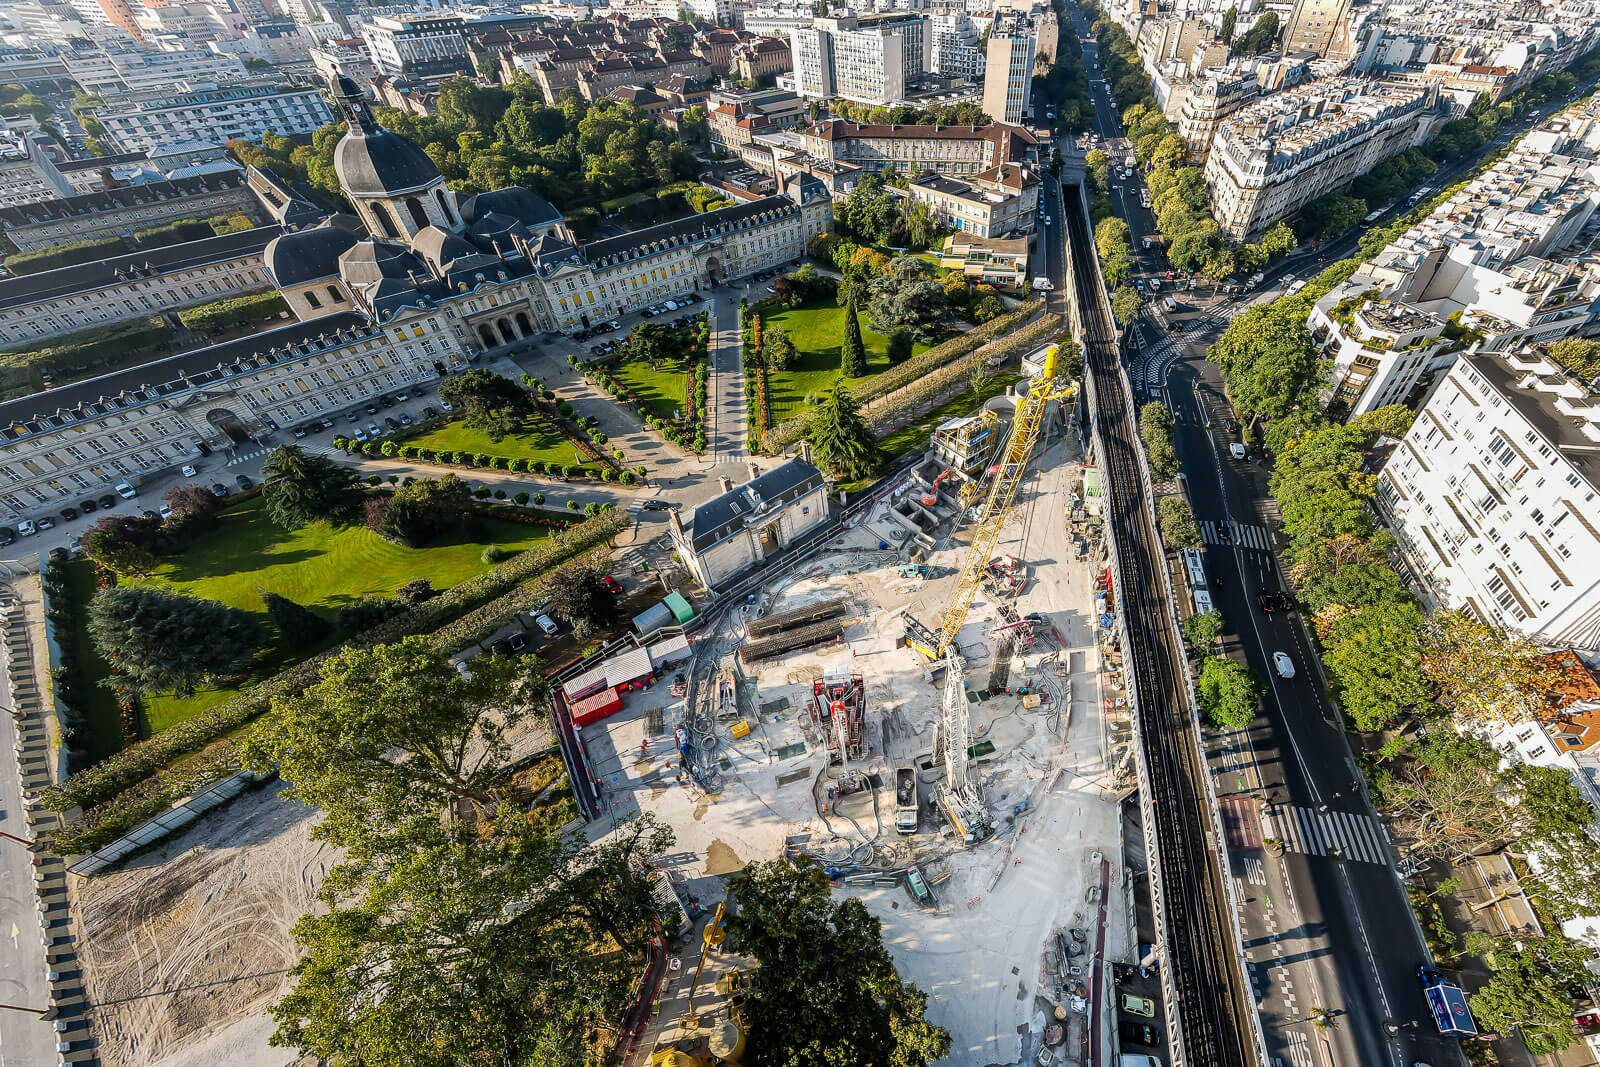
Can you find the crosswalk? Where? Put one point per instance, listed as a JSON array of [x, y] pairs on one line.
[[1355, 838], [1246, 534], [246, 455]]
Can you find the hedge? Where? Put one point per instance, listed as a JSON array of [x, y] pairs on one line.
[[233, 311], [66, 255], [87, 347], [174, 233], [923, 366], [102, 782]]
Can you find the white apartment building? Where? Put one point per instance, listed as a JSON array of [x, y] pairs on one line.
[[1564, 730], [1492, 497], [1490, 258], [1273, 157], [870, 60], [208, 115], [26, 173], [1532, 39], [402, 46], [114, 73], [1008, 67], [958, 50], [347, 58]]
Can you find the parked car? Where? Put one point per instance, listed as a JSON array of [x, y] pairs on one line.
[[385, 401], [244, 481], [548, 625], [68, 514], [47, 524], [8, 536], [500, 648], [27, 528], [405, 420], [299, 432], [401, 398], [166, 512], [327, 424], [360, 435], [1137, 1033], [218, 489], [372, 409], [355, 416], [88, 506], [518, 643], [613, 586], [373, 431], [430, 412], [656, 505], [391, 422], [1136, 1005], [189, 471]]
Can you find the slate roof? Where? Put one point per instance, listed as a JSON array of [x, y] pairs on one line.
[[693, 228], [717, 518], [172, 374], [88, 277], [118, 199]]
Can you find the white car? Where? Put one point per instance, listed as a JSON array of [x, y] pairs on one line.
[[1283, 664], [548, 625], [166, 511], [188, 470], [26, 528]]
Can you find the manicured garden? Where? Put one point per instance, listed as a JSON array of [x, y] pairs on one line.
[[660, 388], [817, 330], [538, 441], [323, 567]]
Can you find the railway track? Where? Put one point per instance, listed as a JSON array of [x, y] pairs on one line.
[[1211, 1012]]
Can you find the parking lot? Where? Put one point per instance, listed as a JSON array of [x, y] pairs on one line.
[[608, 330]]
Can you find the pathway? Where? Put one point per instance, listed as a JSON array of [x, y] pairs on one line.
[[726, 429]]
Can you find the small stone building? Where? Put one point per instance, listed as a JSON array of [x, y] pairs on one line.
[[747, 524]]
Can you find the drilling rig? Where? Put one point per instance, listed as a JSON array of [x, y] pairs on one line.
[[959, 796]]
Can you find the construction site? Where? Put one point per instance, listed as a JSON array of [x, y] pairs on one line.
[[928, 707]]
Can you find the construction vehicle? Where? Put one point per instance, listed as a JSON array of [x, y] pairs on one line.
[[930, 495], [915, 570], [905, 800], [958, 797]]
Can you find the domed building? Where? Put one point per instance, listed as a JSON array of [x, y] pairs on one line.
[[494, 268]]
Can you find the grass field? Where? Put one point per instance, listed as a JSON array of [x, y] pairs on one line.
[[319, 566], [95, 701], [817, 330], [538, 441], [660, 389]]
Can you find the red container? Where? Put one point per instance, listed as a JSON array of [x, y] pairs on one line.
[[594, 708]]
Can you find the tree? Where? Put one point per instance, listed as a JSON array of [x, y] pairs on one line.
[[852, 353], [840, 438], [158, 641], [1372, 664], [900, 347], [581, 598], [1178, 527], [1483, 673], [1449, 801], [1069, 360], [299, 488], [489, 402], [1228, 693], [123, 557], [1126, 304], [297, 624], [826, 991], [1391, 420], [1268, 358], [193, 505], [1230, 19], [777, 348], [652, 342], [394, 733], [1155, 426], [1201, 631], [1259, 37], [419, 512], [1530, 991]]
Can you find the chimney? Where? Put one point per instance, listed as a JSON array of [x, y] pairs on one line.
[[677, 522], [726, 483], [805, 450], [755, 471]]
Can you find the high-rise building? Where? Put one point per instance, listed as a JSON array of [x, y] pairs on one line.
[[417, 47], [1008, 66], [870, 60]]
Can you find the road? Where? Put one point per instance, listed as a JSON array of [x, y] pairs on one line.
[[25, 1039]]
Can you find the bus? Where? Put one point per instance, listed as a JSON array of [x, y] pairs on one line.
[[1144, 196]]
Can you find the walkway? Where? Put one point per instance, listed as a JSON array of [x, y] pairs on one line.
[[726, 429]]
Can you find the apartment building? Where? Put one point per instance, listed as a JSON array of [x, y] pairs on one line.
[[1008, 67], [958, 47], [1494, 259], [1212, 97], [995, 203], [421, 48], [1492, 497], [37, 307], [343, 57], [1533, 39], [1563, 727], [1273, 157], [955, 151], [1315, 25], [123, 210], [762, 60], [212, 116], [27, 174], [998, 261], [871, 59], [113, 72]]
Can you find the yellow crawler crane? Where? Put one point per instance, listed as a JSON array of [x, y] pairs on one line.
[[963, 805]]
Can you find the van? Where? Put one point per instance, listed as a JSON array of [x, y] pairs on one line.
[[1238, 451], [1142, 1006], [1137, 1059], [1170, 304], [1042, 284], [125, 489]]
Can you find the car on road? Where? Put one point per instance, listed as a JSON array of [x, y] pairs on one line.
[[548, 625], [1267, 601], [656, 505], [387, 402], [1137, 1033], [613, 586], [243, 481], [355, 416], [1238, 451], [1135, 1005], [189, 471], [27, 528], [218, 489], [372, 409], [1283, 664]]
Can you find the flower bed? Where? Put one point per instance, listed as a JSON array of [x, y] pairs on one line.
[[97, 787]]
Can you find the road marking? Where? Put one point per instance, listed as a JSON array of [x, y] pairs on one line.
[[1354, 836], [1299, 1048], [1243, 534], [1255, 872]]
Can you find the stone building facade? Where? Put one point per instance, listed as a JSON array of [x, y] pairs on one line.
[[747, 524], [121, 211]]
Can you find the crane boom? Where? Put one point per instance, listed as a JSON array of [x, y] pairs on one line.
[[1019, 448]]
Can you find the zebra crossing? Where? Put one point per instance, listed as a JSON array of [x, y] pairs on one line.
[[1356, 838], [1247, 535], [241, 457]]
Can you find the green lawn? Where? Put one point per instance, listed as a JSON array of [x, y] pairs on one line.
[[94, 700], [817, 330], [538, 441], [660, 389], [919, 432], [319, 566]]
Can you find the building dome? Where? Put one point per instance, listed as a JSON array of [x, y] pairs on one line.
[[372, 161]]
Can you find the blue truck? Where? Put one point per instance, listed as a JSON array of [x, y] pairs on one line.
[[1449, 1004]]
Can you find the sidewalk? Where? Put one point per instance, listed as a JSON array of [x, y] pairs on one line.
[[726, 430]]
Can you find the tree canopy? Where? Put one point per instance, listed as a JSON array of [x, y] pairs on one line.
[[300, 488], [161, 641], [840, 438], [488, 401], [1228, 692]]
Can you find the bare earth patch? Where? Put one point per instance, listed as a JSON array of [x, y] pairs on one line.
[[186, 946]]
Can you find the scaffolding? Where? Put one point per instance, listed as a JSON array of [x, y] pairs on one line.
[[838, 710]]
